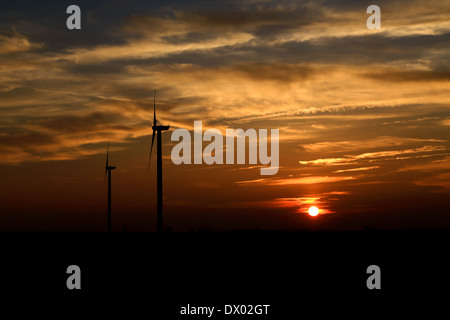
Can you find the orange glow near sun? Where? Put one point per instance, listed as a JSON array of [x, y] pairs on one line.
[[313, 211]]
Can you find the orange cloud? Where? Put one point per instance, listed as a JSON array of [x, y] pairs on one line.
[[293, 181]]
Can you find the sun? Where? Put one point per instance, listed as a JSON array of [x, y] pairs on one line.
[[313, 211]]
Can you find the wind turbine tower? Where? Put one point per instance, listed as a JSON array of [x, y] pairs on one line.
[[159, 129], [108, 169]]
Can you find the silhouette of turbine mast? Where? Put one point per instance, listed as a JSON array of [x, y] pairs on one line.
[[108, 169], [158, 129]]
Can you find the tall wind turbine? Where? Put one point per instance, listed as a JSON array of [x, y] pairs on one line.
[[108, 169], [158, 129]]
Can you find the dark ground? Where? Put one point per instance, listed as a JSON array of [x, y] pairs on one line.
[[154, 275]]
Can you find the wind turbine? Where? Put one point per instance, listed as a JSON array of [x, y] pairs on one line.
[[108, 169], [158, 128]]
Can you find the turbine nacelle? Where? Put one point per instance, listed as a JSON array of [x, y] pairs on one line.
[[160, 128], [107, 166]]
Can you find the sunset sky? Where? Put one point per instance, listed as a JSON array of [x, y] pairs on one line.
[[363, 115]]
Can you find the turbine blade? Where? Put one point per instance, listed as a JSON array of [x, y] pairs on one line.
[[151, 148], [107, 154], [154, 107]]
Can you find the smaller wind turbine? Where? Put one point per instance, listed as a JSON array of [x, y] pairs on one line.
[[108, 169], [159, 191]]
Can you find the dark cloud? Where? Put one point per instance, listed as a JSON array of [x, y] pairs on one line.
[[27, 140], [190, 37], [250, 17], [110, 67], [405, 76], [87, 123], [358, 50], [348, 50], [281, 72]]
